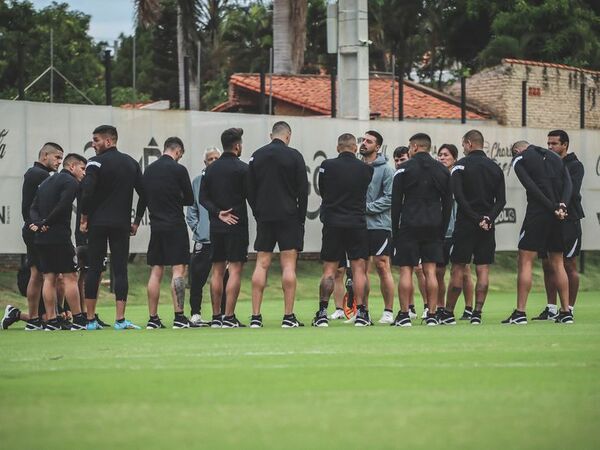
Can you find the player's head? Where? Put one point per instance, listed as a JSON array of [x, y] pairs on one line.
[[472, 140], [419, 142], [51, 155], [371, 143], [447, 155], [174, 148], [347, 143], [282, 131], [75, 164], [231, 140], [104, 137], [519, 147], [400, 155], [558, 142], [211, 154]]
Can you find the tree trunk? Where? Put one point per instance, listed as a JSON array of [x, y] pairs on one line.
[[289, 35], [184, 48]]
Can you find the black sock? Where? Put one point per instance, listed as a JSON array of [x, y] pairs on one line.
[[468, 308], [121, 320], [154, 317], [178, 314], [323, 306], [388, 310]]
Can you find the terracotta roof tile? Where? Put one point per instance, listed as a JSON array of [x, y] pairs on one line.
[[313, 92], [546, 64]]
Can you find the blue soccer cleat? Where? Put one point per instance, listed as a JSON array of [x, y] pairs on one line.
[[125, 325], [93, 325]]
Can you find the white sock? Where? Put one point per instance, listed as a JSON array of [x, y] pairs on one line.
[[552, 308], [571, 308]]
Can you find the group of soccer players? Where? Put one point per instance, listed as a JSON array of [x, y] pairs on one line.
[[421, 217]]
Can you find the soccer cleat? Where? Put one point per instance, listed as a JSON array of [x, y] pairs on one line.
[[101, 323], [516, 318], [351, 319], [431, 320], [93, 325], [445, 317], [321, 319], [11, 315], [154, 324], [402, 320], [64, 323], [564, 317], [466, 315], [256, 321], [53, 325], [217, 321], [425, 313], [412, 312], [125, 325], [79, 323], [232, 322], [338, 314], [290, 321], [476, 318], [34, 325], [196, 319], [181, 322], [387, 317], [362, 319], [546, 314]]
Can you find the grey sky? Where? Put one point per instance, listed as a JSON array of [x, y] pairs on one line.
[[109, 18]]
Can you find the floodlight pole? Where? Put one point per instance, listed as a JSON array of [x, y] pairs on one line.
[[134, 68], [51, 65]]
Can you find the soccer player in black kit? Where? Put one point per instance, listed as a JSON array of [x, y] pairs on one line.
[[106, 199], [278, 196], [343, 185], [479, 189], [223, 192], [548, 186], [558, 142], [49, 158], [51, 221], [167, 189], [421, 207]]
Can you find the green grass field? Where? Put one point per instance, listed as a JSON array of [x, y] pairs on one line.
[[463, 387]]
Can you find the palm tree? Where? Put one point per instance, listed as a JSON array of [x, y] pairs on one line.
[[289, 35]]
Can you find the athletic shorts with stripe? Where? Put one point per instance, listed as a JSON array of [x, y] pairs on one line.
[[380, 243], [571, 234], [541, 232]]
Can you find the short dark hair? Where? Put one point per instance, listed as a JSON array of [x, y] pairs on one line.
[[422, 139], [561, 135], [280, 126], [54, 147], [230, 137], [378, 137], [107, 130], [173, 143], [399, 151], [474, 136], [346, 139], [451, 148], [73, 157]]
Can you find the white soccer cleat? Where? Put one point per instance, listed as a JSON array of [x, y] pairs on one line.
[[387, 317], [338, 314], [351, 319], [425, 312]]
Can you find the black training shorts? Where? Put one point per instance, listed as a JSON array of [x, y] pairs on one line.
[[33, 258], [571, 234], [338, 242], [231, 247], [411, 249], [541, 232], [471, 242], [380, 243], [287, 234], [168, 247], [57, 258]]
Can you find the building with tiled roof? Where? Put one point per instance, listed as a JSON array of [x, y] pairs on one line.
[[554, 94], [310, 95]]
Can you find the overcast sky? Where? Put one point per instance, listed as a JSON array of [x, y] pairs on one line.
[[109, 17]]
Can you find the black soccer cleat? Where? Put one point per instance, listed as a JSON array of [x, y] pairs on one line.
[[362, 318], [256, 321], [546, 314], [564, 317], [217, 321], [181, 322], [290, 321], [79, 323], [476, 318], [34, 325], [232, 322], [516, 318], [154, 324], [11, 315], [54, 325], [321, 320], [467, 313], [431, 320], [402, 320], [445, 317]]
